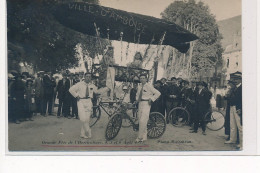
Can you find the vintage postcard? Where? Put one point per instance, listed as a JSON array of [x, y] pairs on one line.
[[125, 75]]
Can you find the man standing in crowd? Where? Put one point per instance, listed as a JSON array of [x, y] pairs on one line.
[[11, 110], [48, 87], [231, 87], [191, 100], [38, 86], [164, 94], [76, 77], [157, 105], [202, 107], [184, 92], [236, 111], [62, 89], [74, 100], [70, 99], [173, 97], [146, 94], [83, 92], [81, 76], [17, 92]]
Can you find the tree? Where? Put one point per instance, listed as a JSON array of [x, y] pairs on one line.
[[47, 45], [205, 52]]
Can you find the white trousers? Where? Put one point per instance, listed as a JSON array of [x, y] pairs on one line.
[[85, 109], [235, 125], [143, 117]]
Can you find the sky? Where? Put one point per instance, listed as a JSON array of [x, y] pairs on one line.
[[222, 9]]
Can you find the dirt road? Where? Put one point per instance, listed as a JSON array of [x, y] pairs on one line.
[[61, 134]]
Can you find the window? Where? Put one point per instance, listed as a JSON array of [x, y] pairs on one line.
[[228, 63]]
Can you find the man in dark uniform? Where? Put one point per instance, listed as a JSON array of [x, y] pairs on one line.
[[62, 89], [74, 100], [231, 87], [157, 105], [236, 111], [164, 94], [202, 107], [191, 100], [173, 96], [70, 99], [48, 88]]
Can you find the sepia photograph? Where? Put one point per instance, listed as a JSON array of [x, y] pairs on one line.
[[124, 75]]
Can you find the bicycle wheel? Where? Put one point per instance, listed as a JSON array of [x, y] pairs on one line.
[[113, 126], [95, 116], [156, 125], [179, 117], [215, 120]]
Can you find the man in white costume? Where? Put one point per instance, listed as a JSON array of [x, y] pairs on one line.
[[84, 91], [145, 95]]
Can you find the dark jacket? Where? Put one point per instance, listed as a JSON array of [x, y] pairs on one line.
[[63, 88], [38, 86], [173, 90], [157, 105], [203, 101], [236, 99], [18, 89], [191, 94], [48, 85], [164, 88]]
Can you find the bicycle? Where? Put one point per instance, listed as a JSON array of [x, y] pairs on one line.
[[180, 116], [107, 106], [155, 127], [214, 120]]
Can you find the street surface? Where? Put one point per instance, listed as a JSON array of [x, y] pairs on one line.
[[61, 134]]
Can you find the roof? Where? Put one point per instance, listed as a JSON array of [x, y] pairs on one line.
[[102, 21]]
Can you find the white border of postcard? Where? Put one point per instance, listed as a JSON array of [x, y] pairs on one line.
[[249, 97]]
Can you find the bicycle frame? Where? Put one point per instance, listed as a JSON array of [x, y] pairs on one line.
[[102, 104], [126, 116]]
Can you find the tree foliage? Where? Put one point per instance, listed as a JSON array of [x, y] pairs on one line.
[[206, 52], [45, 44]]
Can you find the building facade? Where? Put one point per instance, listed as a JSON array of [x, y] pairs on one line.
[[232, 56]]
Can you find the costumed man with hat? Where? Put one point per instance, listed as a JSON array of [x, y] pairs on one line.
[[236, 110], [83, 91], [202, 107], [146, 94]]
